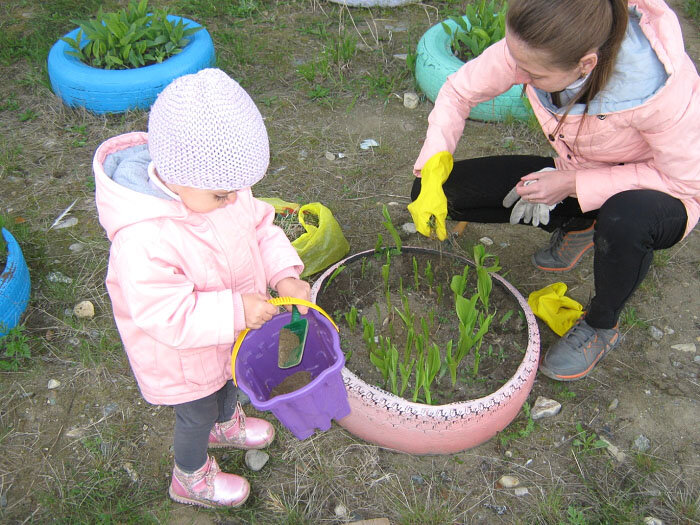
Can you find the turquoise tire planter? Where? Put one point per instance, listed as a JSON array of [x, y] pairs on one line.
[[119, 90], [14, 286], [435, 62]]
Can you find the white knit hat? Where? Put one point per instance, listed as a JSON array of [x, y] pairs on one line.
[[204, 131]]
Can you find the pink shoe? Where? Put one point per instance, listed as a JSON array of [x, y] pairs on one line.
[[242, 432], [209, 487]]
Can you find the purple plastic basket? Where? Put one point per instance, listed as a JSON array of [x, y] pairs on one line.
[[312, 406]]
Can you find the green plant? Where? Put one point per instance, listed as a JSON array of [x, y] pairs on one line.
[[391, 229], [15, 349], [335, 274], [587, 442], [692, 9], [630, 318], [487, 24], [519, 431], [351, 318], [130, 38]]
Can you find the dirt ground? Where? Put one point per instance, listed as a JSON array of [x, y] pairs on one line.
[[92, 451]]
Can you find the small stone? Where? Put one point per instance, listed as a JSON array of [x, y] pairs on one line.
[[521, 491], [641, 443], [409, 227], [341, 155], [545, 407], [53, 383], [109, 409], [650, 520], [689, 348], [58, 277], [392, 203], [613, 404], [329, 155], [84, 310], [76, 432], [613, 450], [486, 241], [696, 359], [418, 480], [507, 482], [656, 334], [341, 511], [410, 100], [67, 223], [74, 341], [509, 453], [129, 468], [255, 460], [668, 330], [368, 143], [51, 398], [401, 56], [76, 247]]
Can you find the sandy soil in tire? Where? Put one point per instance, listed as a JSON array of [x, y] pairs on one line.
[[93, 450]]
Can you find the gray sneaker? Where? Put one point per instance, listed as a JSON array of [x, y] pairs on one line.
[[578, 351], [565, 250]]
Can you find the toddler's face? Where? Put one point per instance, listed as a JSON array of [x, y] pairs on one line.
[[203, 201]]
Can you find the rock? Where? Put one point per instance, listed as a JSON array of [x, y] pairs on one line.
[[368, 143], [486, 241], [410, 100], [613, 404], [133, 476], [329, 155], [649, 520], [51, 398], [498, 509], [613, 450], [696, 359], [341, 511], [74, 341], [521, 491], [418, 480], [401, 56], [84, 310], [58, 277], [76, 247], [109, 409], [507, 482], [70, 221], [508, 453], [668, 330], [255, 460], [641, 443], [76, 432], [689, 348], [656, 334], [409, 227], [53, 383], [545, 407]]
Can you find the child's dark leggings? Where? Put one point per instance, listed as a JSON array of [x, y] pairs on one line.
[[193, 422], [629, 225]]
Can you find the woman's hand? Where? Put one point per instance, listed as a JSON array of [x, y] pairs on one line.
[[257, 310], [550, 187], [292, 287]]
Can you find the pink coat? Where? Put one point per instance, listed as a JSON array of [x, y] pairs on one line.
[[175, 278], [653, 145]]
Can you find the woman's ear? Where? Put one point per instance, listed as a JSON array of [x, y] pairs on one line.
[[587, 63]]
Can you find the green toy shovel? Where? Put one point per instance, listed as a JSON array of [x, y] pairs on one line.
[[292, 339]]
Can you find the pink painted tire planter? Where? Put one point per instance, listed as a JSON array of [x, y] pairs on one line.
[[389, 421]]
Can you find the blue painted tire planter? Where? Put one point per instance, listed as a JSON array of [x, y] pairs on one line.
[[435, 62], [119, 90], [14, 286]]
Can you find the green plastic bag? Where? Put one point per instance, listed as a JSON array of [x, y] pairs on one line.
[[321, 245]]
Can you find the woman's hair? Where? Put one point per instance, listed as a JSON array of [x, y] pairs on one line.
[[567, 30]]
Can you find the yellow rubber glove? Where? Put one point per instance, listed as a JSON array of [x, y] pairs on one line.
[[431, 201], [554, 308]]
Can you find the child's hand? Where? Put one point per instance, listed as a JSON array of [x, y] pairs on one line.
[[292, 287], [257, 310]]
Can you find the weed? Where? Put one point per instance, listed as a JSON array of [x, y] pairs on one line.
[[15, 349], [587, 442], [562, 391], [661, 259], [630, 319], [646, 463], [692, 9], [518, 430], [28, 116]]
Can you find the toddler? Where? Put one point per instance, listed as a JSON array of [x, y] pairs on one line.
[[192, 256]]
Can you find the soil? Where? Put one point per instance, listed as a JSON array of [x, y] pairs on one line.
[[361, 285], [291, 383]]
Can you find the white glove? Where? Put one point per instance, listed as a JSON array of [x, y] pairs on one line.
[[527, 211]]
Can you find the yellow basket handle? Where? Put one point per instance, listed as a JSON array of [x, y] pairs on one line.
[[277, 301]]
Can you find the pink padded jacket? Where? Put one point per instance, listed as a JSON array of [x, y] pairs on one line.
[[175, 279], [654, 144]]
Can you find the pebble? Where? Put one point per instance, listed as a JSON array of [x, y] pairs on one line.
[[70, 221], [641, 443], [341, 511], [689, 348], [76, 247], [509, 453], [409, 227], [418, 480], [51, 398], [58, 277], [668, 330], [109, 409], [400, 56], [498, 509], [656, 334], [129, 468], [486, 241], [650, 520], [507, 482], [74, 341], [613, 404], [53, 383], [84, 310], [521, 491], [545, 407], [76, 432], [368, 143], [255, 460], [613, 450], [410, 100], [696, 359], [329, 155]]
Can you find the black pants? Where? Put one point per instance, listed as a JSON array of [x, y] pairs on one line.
[[629, 225], [193, 422]]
